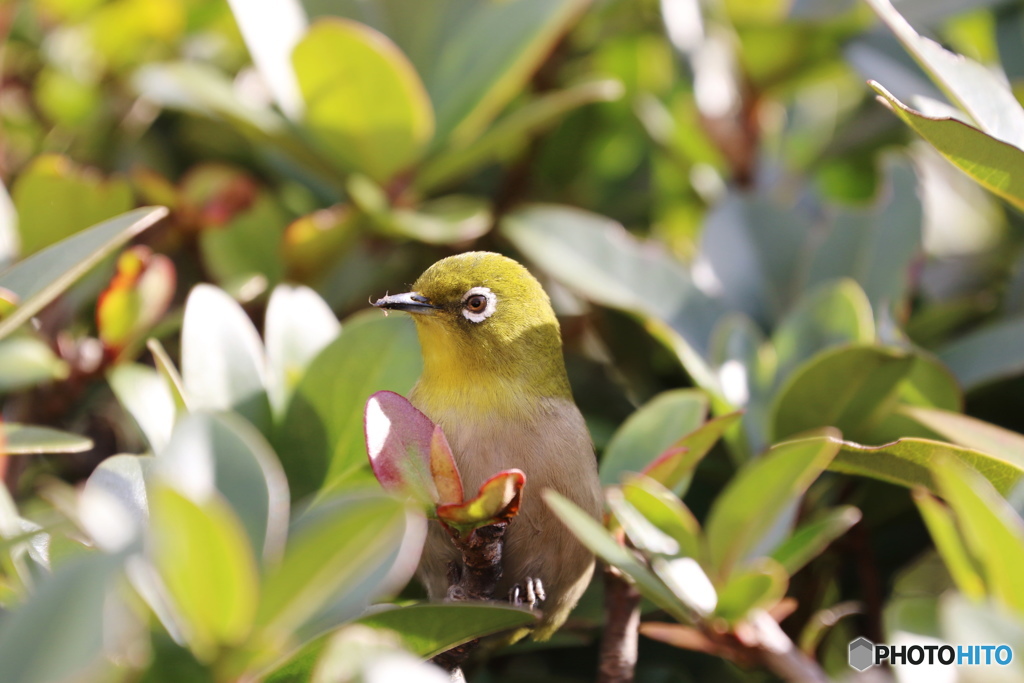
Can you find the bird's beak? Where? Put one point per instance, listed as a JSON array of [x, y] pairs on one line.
[[413, 302]]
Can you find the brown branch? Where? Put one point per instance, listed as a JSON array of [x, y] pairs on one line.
[[617, 659], [474, 579]]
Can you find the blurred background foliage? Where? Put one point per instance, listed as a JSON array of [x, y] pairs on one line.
[[803, 210]]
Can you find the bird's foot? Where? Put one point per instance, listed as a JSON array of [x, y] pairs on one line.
[[530, 593]]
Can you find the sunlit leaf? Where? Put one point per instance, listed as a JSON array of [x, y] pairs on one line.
[[813, 536], [222, 360], [321, 440], [950, 544], [971, 432], [995, 164], [851, 388], [204, 558], [907, 461], [55, 198], [758, 495], [336, 544], [147, 398], [298, 325], [597, 539], [427, 630], [38, 280], [27, 361], [660, 507], [222, 452], [21, 439], [759, 586], [497, 500], [976, 88], [364, 101], [992, 530], [399, 443], [655, 427]]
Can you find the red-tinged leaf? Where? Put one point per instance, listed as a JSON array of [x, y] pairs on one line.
[[497, 501], [662, 467], [398, 440], [213, 194], [138, 295], [443, 469], [674, 468]]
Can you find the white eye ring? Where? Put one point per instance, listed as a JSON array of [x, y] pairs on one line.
[[492, 304]]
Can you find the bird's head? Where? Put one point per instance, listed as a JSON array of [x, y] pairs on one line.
[[481, 312]]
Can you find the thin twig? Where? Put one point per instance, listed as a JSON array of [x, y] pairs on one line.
[[617, 659]]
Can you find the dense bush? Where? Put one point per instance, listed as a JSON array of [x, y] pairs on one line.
[[783, 238]]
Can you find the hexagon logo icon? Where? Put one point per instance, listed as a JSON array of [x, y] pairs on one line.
[[862, 654]]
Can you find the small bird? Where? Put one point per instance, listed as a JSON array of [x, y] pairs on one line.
[[494, 380]]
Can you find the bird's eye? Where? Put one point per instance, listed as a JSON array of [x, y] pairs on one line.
[[478, 304]]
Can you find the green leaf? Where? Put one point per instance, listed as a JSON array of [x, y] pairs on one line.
[[512, 131], [813, 536], [56, 198], [993, 531], [40, 278], [996, 165], [662, 508], [27, 361], [148, 399], [202, 89], [851, 388], [334, 546], [222, 361], [473, 57], [748, 243], [427, 630], [55, 634], [270, 34], [758, 495], [832, 314], [657, 425], [365, 103], [971, 432], [297, 327], [988, 354], [976, 88], [759, 586], [20, 439], [223, 451], [877, 244], [597, 258], [676, 471], [114, 507], [906, 462], [321, 438], [244, 255], [202, 554], [597, 539], [745, 370], [165, 366], [451, 219], [942, 527]]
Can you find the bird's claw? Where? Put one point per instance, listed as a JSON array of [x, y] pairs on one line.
[[530, 594]]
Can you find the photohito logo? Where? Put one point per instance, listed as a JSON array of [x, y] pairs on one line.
[[864, 654]]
